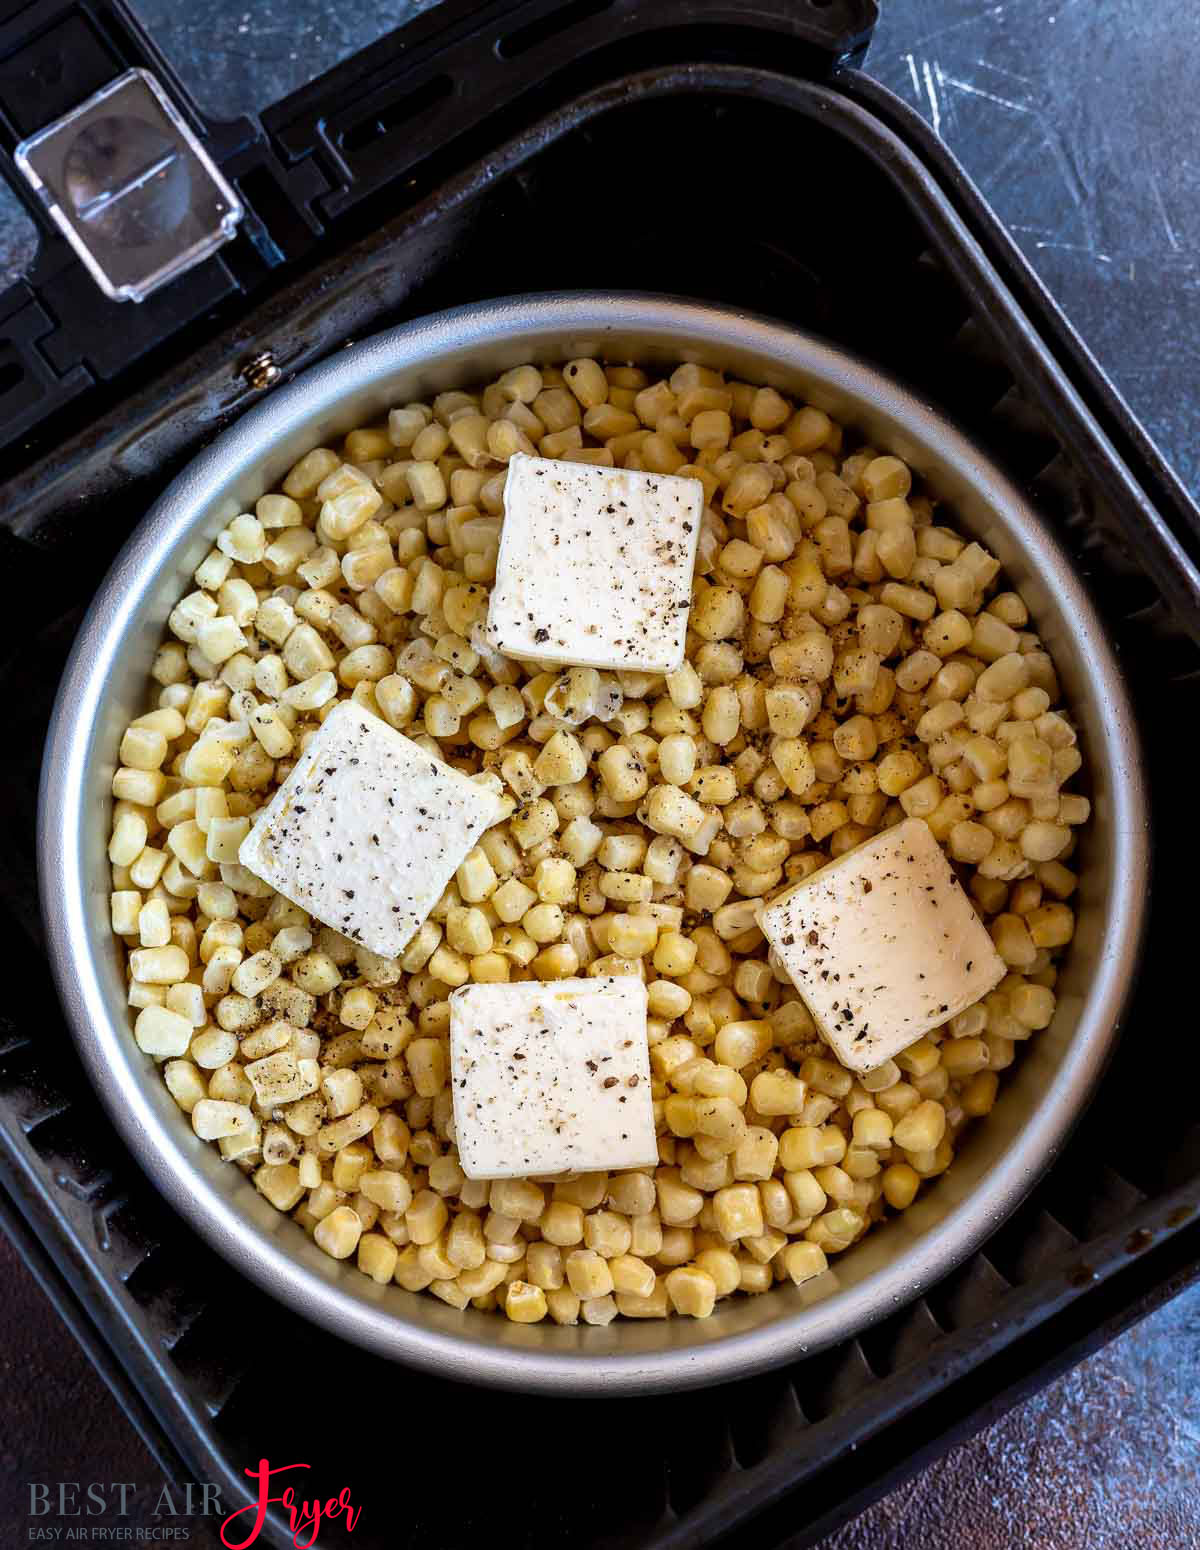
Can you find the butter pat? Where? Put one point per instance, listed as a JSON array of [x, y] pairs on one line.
[[595, 565], [551, 1077], [367, 830], [883, 945]]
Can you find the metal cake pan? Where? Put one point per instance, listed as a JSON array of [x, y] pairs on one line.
[[105, 684]]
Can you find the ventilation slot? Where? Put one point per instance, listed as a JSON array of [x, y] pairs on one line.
[[1028, 1244], [210, 1361], [766, 1417], [420, 100], [547, 27], [694, 1468], [833, 1380], [12, 373], [900, 1341], [968, 1295]]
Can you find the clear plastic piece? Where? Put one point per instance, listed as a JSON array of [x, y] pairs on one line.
[[130, 186]]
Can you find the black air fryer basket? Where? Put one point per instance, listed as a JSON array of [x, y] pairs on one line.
[[714, 150]]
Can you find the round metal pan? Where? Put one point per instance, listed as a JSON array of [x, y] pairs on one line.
[[106, 683]]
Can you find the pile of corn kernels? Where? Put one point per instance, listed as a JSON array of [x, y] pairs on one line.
[[851, 660]]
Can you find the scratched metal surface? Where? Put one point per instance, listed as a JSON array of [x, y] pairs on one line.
[[1078, 119], [18, 237], [239, 58], [1106, 1458]]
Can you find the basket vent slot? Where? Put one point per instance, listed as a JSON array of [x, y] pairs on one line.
[[561, 19]]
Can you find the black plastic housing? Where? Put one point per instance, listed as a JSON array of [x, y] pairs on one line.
[[310, 170]]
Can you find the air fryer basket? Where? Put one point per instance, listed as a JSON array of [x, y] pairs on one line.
[[786, 163]]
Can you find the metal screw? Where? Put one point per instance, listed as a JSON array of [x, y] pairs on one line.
[[260, 371]]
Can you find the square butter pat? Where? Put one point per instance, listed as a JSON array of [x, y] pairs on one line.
[[883, 945], [595, 565], [367, 830], [551, 1077]]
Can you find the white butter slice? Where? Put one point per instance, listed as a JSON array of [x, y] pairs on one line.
[[551, 1077], [367, 830], [595, 565], [883, 945]]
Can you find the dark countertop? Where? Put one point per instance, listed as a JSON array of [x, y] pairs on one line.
[[1080, 121], [1105, 1458]]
